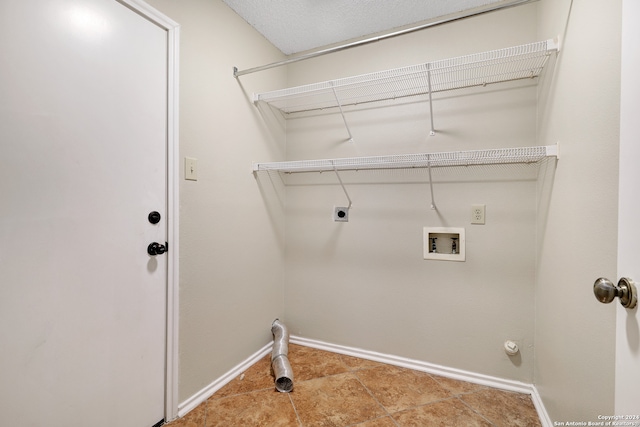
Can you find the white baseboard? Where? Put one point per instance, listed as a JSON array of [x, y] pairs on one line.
[[545, 420], [207, 392], [458, 374]]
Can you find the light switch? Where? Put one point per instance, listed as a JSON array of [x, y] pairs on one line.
[[190, 169]]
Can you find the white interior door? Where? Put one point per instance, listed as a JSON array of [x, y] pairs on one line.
[[83, 161], [627, 399]]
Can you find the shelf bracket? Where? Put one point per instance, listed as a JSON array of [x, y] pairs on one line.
[[433, 203], [433, 131], [344, 119], [335, 169]]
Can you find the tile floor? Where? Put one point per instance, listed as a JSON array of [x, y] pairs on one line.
[[336, 390]]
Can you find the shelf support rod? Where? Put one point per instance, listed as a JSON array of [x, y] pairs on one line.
[[344, 119], [335, 169], [433, 203], [433, 131], [459, 16]]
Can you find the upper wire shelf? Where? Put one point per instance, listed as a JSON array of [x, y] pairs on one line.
[[514, 63], [422, 160]]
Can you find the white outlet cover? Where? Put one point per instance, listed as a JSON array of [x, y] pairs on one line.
[[478, 214]]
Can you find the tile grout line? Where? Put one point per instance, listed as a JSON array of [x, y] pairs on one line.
[[355, 374], [475, 411], [410, 408], [206, 404], [451, 396], [457, 396], [295, 410]]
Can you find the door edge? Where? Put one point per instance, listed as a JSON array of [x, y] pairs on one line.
[[173, 205]]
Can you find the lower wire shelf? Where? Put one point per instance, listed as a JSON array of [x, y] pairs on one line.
[[420, 160]]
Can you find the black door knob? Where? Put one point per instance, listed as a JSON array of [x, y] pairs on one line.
[[156, 248]]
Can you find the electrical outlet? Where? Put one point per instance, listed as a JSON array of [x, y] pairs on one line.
[[477, 214], [341, 214]]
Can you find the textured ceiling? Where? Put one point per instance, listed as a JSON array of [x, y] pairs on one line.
[[298, 25]]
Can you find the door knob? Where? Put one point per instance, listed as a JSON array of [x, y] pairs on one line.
[[605, 291], [156, 248]]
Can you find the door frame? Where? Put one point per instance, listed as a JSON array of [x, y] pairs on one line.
[[627, 323], [173, 203]]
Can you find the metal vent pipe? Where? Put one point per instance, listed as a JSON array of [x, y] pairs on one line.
[[279, 357]]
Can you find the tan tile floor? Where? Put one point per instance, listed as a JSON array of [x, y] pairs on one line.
[[342, 391]]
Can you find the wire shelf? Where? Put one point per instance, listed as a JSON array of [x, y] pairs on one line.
[[514, 63], [422, 160]]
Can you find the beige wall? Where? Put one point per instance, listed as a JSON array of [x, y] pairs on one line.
[[231, 229], [529, 270], [574, 344], [364, 283]]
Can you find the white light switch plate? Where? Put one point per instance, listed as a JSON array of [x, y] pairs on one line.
[[190, 169]]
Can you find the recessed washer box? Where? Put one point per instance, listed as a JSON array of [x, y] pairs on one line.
[[444, 243]]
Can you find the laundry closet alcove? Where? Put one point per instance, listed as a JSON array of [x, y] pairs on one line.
[[405, 149]]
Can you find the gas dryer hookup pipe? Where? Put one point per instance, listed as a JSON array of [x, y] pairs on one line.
[[279, 359]]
